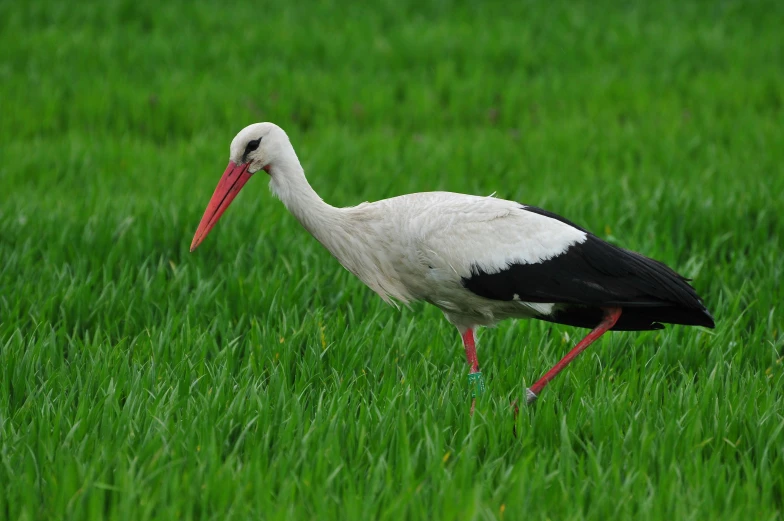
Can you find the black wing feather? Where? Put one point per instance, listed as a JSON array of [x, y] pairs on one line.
[[595, 274]]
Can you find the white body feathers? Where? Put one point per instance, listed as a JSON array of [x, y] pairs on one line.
[[420, 246]]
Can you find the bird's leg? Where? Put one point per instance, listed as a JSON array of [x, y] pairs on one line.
[[475, 376], [469, 342], [611, 316]]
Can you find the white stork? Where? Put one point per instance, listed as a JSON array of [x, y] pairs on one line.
[[479, 259]]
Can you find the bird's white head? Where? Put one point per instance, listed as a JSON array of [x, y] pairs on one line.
[[261, 146]]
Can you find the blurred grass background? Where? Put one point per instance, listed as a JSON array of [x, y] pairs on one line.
[[256, 379]]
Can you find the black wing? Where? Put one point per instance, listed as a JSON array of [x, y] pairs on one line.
[[592, 275]]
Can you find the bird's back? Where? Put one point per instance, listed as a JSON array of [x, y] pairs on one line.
[[436, 239], [483, 259]]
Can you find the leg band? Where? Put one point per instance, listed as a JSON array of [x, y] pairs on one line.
[[477, 384]]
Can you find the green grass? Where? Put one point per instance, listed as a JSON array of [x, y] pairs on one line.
[[257, 379]]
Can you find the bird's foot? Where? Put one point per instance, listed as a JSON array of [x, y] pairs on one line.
[[530, 397]]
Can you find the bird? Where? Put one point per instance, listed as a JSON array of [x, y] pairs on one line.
[[479, 259]]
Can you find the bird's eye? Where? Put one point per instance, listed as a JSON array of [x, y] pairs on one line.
[[251, 146]]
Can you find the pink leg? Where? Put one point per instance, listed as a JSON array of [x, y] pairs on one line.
[[469, 342], [611, 316], [474, 377]]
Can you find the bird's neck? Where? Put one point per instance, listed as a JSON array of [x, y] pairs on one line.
[[289, 184], [340, 230]]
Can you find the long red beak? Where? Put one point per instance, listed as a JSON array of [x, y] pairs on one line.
[[233, 179]]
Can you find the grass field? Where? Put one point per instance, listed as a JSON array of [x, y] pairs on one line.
[[256, 379]]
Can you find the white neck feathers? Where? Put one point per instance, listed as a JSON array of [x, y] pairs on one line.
[[342, 231]]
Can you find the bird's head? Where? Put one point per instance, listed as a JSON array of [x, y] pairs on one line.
[[257, 147]]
